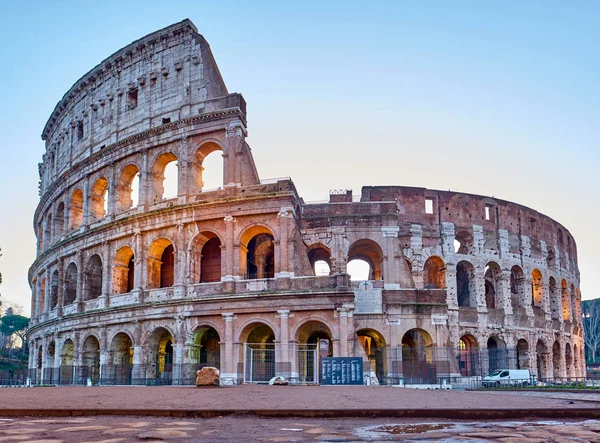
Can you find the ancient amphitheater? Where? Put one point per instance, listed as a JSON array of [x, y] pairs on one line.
[[131, 287]]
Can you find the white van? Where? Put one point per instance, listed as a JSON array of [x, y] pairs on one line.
[[511, 377]]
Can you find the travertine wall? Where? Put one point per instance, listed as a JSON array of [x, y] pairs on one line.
[[112, 280]]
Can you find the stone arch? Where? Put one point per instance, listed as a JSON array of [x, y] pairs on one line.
[[42, 295], [160, 355], [54, 283], [466, 289], [517, 286], [244, 331], [204, 346], [119, 367], [70, 282], [434, 273], [257, 252], [76, 209], [67, 362], [123, 270], [319, 257], [523, 354], [469, 360], [463, 243], [205, 257], [542, 359], [50, 354], [369, 252], [493, 285], [99, 198], [59, 220], [48, 238], [497, 355], [418, 357], [92, 280], [570, 370], [125, 198], [205, 149], [566, 300], [374, 345], [157, 177], [537, 288], [161, 264], [556, 359], [90, 358]]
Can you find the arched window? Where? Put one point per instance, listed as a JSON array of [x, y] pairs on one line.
[[161, 264], [434, 273], [319, 257], [493, 279], [70, 292], [365, 255], [517, 287], [555, 298], [76, 209], [261, 257], [99, 198], [208, 167], [59, 221], [123, 271], [566, 301], [93, 278], [537, 288], [210, 264], [463, 243], [465, 285], [54, 282], [164, 178], [468, 355], [128, 188]]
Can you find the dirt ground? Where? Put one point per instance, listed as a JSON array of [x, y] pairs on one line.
[[279, 398]]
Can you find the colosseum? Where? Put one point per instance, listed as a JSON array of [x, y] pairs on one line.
[[133, 286]]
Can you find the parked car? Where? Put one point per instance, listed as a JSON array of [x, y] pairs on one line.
[[509, 377]]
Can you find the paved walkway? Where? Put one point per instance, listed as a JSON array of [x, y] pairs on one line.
[[111, 429], [288, 401]]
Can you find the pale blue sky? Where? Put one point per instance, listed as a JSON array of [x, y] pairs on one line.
[[494, 98]]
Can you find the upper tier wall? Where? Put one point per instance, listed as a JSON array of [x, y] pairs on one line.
[[166, 76]]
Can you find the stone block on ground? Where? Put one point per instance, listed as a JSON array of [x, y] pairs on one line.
[[208, 376]]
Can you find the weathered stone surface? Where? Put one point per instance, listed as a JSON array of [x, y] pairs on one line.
[[207, 376]]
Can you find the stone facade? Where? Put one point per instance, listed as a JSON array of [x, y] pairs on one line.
[[210, 277]]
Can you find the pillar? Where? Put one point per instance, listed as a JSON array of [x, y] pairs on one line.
[[80, 276], [284, 341], [283, 258], [392, 261], [227, 361], [228, 269]]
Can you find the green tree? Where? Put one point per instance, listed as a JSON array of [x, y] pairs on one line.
[[14, 328], [591, 326]]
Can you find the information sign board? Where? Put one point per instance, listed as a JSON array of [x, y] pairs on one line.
[[341, 371]]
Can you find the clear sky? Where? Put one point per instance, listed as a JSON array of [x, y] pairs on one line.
[[493, 98]]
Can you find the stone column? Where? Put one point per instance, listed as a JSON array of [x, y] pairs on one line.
[[392, 260], [180, 261], [451, 290], [61, 287], [178, 349], [184, 169], [138, 263], [480, 289], [506, 294], [80, 285], [283, 270], [104, 352], [138, 375], [86, 215], [284, 339], [106, 275], [228, 264], [113, 193], [227, 361], [343, 326], [145, 182], [234, 134]]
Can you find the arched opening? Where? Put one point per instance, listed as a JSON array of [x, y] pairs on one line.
[[42, 296], [205, 258], [59, 221], [517, 287], [260, 257], [574, 302], [365, 251], [314, 342], [91, 359], [523, 354], [319, 257], [542, 360], [123, 271], [576, 361], [49, 374], [569, 361], [493, 282], [76, 209], [555, 301], [48, 230], [160, 356], [496, 354], [70, 292], [67, 358], [208, 167], [205, 348], [551, 259], [465, 285], [161, 264], [556, 356], [374, 346], [128, 188], [164, 178], [119, 368], [260, 352], [99, 198], [54, 282], [434, 273], [537, 288], [463, 243], [468, 351], [566, 301], [93, 278], [417, 357]]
